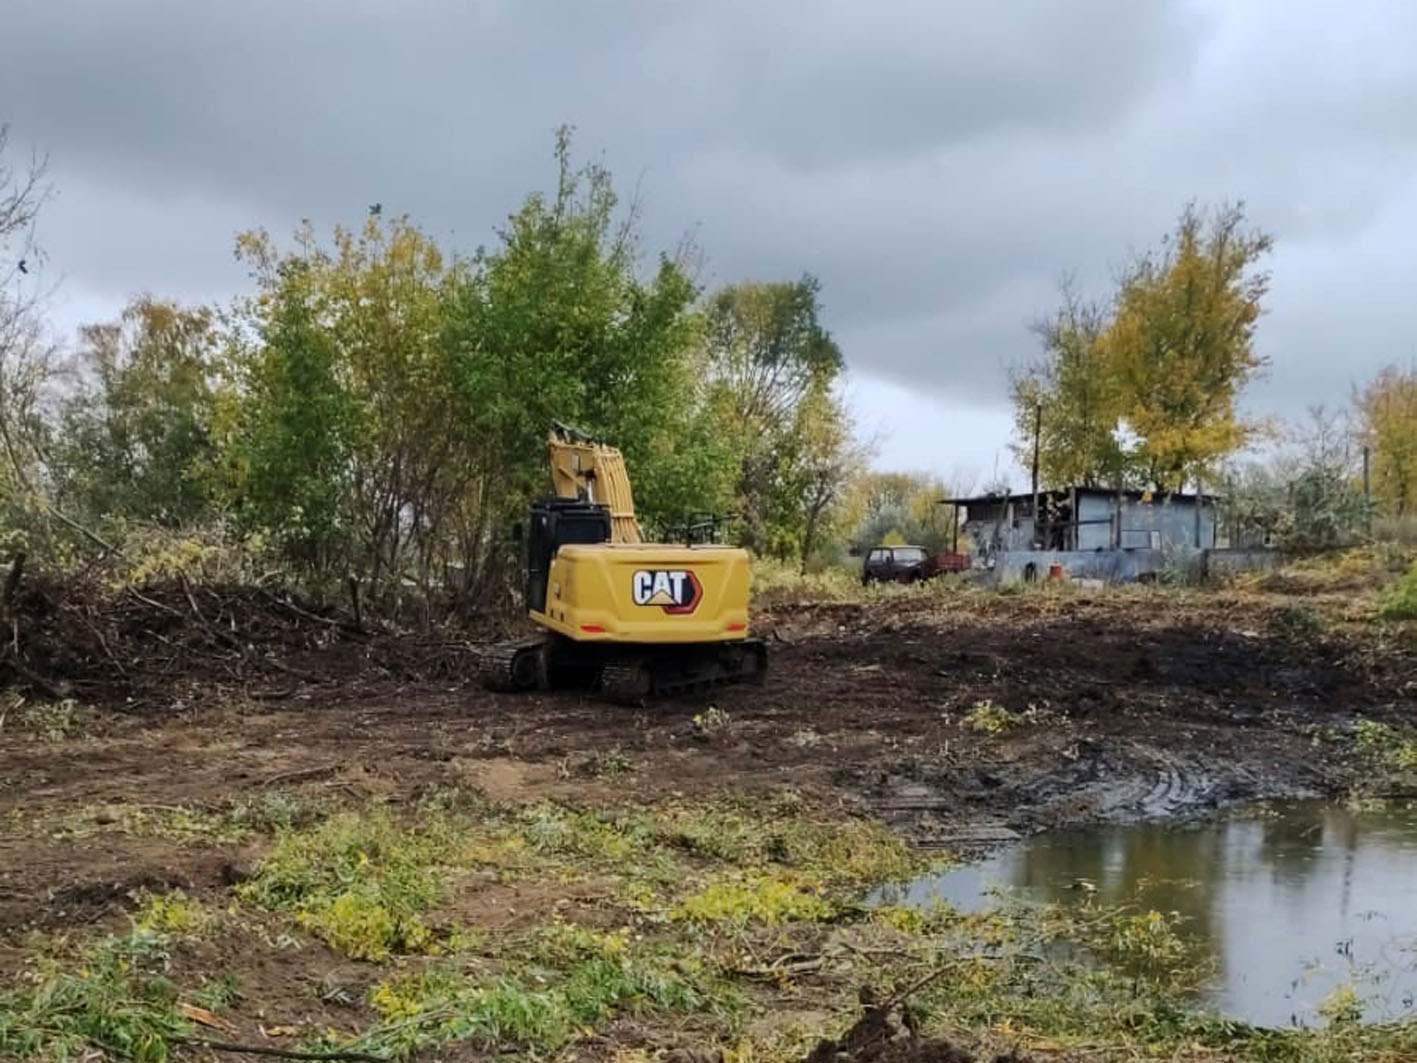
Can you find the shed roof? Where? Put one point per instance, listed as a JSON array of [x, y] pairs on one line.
[[1027, 496]]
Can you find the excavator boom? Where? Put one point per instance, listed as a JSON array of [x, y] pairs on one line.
[[587, 469]]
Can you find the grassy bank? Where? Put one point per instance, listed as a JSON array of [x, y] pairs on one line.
[[551, 930]]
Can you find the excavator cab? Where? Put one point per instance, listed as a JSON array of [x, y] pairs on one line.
[[555, 522], [628, 618]]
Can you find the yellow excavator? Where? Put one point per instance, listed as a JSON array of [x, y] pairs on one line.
[[629, 619]]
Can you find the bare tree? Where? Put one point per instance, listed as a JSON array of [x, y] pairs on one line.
[[23, 192], [27, 357]]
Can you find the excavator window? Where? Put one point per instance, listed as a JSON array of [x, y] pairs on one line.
[[555, 522]]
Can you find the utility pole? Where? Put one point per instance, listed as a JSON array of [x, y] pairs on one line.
[[1367, 491], [1037, 438]]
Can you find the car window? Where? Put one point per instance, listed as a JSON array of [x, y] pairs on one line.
[[909, 555], [877, 555]]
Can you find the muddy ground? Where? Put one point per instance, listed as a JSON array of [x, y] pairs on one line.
[[1122, 704]]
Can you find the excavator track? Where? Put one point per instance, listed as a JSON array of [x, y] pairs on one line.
[[626, 682], [666, 672], [620, 674], [515, 665]]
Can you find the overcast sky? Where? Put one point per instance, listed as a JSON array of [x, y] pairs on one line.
[[938, 165]]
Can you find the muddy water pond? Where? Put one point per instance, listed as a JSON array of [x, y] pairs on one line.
[[1289, 902]]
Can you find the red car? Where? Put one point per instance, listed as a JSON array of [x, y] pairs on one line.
[[907, 564]]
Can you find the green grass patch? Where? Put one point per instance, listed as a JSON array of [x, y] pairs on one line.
[[701, 909], [1081, 980], [769, 898], [361, 882], [843, 852], [247, 818], [173, 913], [984, 717], [778, 580], [54, 721], [939, 917], [570, 981], [560, 830], [364, 881], [118, 1002], [1386, 746], [1299, 622], [1399, 602]]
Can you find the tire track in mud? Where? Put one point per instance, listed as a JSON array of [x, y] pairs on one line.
[[1133, 780], [1130, 782], [1144, 785], [1113, 780]]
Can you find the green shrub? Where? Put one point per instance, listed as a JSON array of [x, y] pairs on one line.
[[558, 830], [1400, 602], [1299, 622], [55, 721], [1148, 941], [782, 580], [1396, 530], [172, 913]]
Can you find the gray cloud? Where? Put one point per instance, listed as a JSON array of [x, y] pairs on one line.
[[938, 165]]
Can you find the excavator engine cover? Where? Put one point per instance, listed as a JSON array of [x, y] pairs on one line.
[[620, 592]]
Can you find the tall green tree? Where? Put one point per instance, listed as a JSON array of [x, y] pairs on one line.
[[293, 450], [353, 349], [826, 457], [380, 408], [1070, 399], [1326, 503], [1306, 493], [772, 366], [559, 322], [423, 386], [136, 439], [381, 290], [900, 506]]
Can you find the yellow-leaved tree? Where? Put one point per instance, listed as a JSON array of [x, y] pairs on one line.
[[1389, 410], [896, 508], [1180, 345]]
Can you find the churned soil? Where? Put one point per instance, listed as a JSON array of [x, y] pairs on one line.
[[963, 718]]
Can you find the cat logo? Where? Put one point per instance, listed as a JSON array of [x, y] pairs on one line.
[[675, 590]]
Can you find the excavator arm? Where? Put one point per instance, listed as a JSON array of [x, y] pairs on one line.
[[588, 469]]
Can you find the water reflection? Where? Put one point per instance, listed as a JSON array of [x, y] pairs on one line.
[[1290, 902]]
